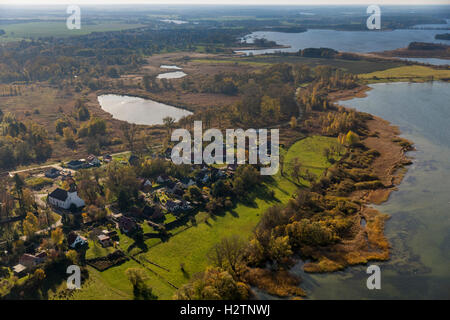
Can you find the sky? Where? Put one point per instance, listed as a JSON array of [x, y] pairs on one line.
[[232, 2]]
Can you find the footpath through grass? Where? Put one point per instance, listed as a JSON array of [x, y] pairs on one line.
[[190, 247]]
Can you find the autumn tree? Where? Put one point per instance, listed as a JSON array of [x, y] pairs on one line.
[[213, 284], [296, 170], [279, 249], [169, 123], [129, 131], [352, 138], [141, 290], [57, 237], [293, 122], [30, 225], [69, 138], [228, 254]]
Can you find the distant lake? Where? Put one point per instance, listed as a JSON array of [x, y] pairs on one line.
[[348, 41], [138, 110], [164, 66], [434, 26], [434, 61], [419, 227], [174, 21], [171, 75]]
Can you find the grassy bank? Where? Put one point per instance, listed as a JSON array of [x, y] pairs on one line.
[[407, 73]]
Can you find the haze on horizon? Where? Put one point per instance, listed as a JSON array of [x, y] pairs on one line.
[[227, 2]]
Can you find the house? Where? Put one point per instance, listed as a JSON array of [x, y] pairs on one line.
[[115, 217], [19, 270], [105, 241], [187, 182], [173, 205], [65, 199], [145, 184], [162, 178], [107, 158], [52, 173], [110, 233], [30, 261], [75, 240], [126, 224], [76, 164], [93, 161]]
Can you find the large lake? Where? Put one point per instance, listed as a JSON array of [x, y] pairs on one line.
[[348, 41], [419, 228], [138, 110]]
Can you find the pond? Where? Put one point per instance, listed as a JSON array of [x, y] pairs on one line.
[[171, 75], [165, 66], [138, 110]]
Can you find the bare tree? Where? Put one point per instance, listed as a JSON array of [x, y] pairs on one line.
[[228, 254], [129, 132], [169, 123]]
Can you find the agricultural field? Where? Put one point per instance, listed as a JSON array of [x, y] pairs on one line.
[[19, 31]]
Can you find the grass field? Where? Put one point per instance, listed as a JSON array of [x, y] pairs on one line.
[[19, 31], [190, 247], [407, 73], [309, 152]]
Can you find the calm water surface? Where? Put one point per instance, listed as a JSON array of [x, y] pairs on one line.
[[138, 110], [171, 75], [419, 228], [434, 61], [349, 41], [165, 66]]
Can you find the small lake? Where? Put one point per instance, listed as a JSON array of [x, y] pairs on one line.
[[165, 66], [419, 227], [138, 110], [172, 75], [348, 41], [174, 21]]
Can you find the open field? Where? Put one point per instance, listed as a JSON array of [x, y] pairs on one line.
[[353, 66], [407, 73], [19, 31], [190, 246], [309, 152]]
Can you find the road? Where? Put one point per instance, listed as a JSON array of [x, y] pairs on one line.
[[55, 165]]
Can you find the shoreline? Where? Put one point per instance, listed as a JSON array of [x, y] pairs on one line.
[[369, 242]]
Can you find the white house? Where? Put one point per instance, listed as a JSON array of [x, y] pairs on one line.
[[75, 240], [64, 199]]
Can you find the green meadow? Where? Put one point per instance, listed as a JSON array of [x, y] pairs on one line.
[[26, 30]]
